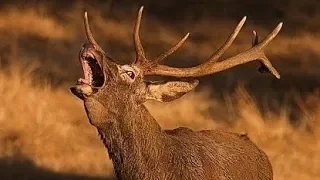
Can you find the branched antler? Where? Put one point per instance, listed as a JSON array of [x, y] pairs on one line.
[[140, 55], [210, 66]]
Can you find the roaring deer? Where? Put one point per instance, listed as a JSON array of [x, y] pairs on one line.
[[113, 98]]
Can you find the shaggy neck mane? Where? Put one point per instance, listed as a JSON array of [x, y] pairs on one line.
[[127, 141]]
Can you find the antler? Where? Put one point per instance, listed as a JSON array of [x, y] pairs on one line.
[[140, 55], [89, 33], [211, 65]]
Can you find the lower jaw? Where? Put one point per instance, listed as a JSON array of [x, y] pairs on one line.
[[82, 90]]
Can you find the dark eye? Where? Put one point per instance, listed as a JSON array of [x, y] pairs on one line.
[[131, 74]]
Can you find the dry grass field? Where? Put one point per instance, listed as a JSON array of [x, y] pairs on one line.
[[44, 132]]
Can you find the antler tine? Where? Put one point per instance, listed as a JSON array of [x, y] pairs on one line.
[[214, 57], [271, 36], [172, 50], [255, 41], [254, 53], [89, 33], [266, 65], [140, 56]]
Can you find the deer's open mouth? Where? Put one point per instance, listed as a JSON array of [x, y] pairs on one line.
[[93, 74], [94, 77]]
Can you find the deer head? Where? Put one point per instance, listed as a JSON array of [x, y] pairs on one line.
[[113, 86]]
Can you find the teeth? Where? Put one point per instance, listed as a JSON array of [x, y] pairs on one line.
[[90, 77], [83, 81], [91, 69], [87, 72]]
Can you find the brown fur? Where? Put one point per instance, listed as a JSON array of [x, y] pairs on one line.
[[137, 145], [140, 149]]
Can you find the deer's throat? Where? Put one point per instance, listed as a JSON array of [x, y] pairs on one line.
[[129, 139]]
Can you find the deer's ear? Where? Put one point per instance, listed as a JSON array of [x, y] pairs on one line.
[[168, 91]]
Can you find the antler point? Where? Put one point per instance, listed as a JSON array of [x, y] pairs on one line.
[[254, 32], [280, 24], [243, 20], [278, 28], [141, 9]]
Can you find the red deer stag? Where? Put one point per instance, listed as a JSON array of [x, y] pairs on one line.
[[113, 97]]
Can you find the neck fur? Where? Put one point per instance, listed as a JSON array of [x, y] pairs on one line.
[[130, 141]]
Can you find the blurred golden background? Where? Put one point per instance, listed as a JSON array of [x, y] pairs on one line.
[[44, 132]]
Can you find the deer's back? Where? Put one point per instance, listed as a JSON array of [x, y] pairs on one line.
[[215, 155]]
